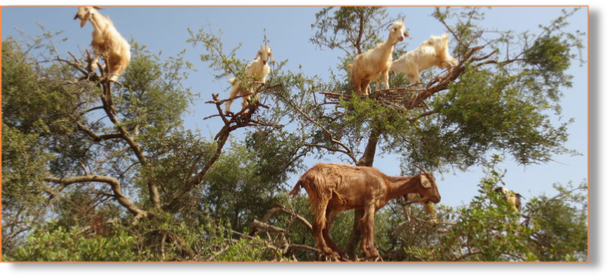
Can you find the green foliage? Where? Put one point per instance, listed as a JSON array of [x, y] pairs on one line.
[[488, 230], [60, 245], [234, 191], [488, 110], [34, 140], [548, 54], [560, 224], [336, 29], [22, 174], [25, 83], [155, 97], [505, 106]]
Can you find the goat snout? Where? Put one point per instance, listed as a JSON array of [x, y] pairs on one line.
[[430, 199], [435, 199]]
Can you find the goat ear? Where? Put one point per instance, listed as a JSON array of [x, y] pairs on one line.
[[258, 54], [97, 8], [425, 182]]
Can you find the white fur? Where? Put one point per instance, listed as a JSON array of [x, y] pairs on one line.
[[256, 71], [512, 198], [107, 41], [432, 52], [369, 65]]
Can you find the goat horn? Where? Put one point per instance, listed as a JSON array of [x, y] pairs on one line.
[[420, 168]]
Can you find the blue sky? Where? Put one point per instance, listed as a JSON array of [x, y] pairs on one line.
[[289, 29]]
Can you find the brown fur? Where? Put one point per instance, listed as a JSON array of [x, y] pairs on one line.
[[333, 188]]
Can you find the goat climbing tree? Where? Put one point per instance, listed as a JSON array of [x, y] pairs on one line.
[[460, 114], [91, 163]]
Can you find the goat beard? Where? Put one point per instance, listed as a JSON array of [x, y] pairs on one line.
[[83, 22], [429, 207]]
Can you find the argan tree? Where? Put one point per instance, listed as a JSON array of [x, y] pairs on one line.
[[89, 163], [500, 97]]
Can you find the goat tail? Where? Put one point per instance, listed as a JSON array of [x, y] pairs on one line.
[[297, 187]]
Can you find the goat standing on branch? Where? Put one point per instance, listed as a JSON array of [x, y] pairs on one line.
[[432, 52], [369, 65], [256, 72], [333, 188], [106, 42], [513, 199]]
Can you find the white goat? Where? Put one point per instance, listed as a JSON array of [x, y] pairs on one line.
[[432, 52], [369, 65], [106, 42], [513, 199], [256, 72]]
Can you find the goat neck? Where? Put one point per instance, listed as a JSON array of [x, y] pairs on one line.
[[399, 186]]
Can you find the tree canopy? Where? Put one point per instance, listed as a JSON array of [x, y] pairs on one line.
[[88, 163]]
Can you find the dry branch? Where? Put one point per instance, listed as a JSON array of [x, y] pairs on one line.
[[269, 228], [345, 149], [232, 121], [281, 208], [114, 185]]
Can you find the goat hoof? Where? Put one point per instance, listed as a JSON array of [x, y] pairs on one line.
[[344, 259], [374, 259], [332, 258]]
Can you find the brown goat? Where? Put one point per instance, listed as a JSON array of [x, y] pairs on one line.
[[333, 188]]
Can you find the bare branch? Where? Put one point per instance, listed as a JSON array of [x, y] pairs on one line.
[[269, 228], [114, 185], [236, 121], [346, 149]]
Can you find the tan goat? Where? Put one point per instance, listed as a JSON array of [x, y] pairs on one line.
[[513, 199], [333, 188], [106, 42], [256, 72], [369, 65]]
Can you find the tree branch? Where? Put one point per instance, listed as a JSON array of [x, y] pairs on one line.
[[236, 121], [125, 135], [329, 135], [98, 138], [107, 105], [114, 185]]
